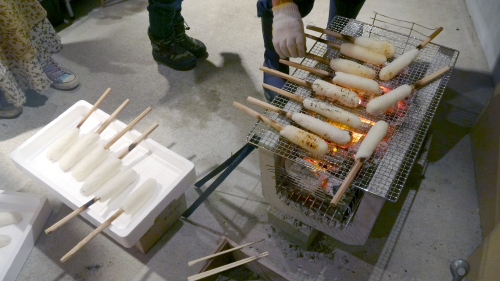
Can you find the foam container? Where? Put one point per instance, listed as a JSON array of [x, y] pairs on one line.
[[149, 159], [35, 210]]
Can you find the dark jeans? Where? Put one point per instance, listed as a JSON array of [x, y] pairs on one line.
[[346, 8], [164, 16]]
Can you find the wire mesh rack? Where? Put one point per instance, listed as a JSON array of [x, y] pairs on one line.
[[385, 173]]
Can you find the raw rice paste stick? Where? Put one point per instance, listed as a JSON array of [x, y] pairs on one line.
[[100, 153], [132, 204], [61, 145], [111, 166], [86, 142]]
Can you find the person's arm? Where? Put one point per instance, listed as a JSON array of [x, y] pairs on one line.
[[288, 29]]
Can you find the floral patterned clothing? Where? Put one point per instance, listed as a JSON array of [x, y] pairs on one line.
[[27, 42]]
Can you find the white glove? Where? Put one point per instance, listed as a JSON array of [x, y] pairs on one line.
[[288, 31]]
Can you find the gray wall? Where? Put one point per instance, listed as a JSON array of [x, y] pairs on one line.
[[486, 17]]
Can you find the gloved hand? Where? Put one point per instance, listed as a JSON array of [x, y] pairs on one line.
[[288, 31]]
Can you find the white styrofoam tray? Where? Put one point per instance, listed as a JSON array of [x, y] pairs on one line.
[[35, 210], [149, 159]]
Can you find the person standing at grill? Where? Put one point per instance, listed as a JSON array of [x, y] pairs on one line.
[[171, 46], [283, 31]]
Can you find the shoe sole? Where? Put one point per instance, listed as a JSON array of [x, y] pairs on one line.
[[173, 65], [11, 113], [66, 86]]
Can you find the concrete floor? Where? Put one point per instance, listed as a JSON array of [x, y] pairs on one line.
[[435, 221]]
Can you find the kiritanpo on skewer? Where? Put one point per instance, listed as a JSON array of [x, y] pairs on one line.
[[95, 157], [345, 66], [369, 86], [131, 205], [111, 188], [344, 96], [354, 51], [312, 143], [60, 146], [366, 149], [320, 128], [397, 65], [110, 168], [383, 47], [327, 110], [384, 102], [86, 143]]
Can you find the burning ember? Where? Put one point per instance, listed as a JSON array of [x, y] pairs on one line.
[[385, 89]]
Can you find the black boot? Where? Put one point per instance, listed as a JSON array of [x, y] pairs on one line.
[[172, 54], [195, 46]]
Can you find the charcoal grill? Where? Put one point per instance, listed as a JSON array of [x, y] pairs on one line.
[[300, 178]]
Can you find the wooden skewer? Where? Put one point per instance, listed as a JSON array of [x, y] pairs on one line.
[[283, 92], [96, 104], [138, 140], [128, 128], [285, 76], [92, 235], [428, 39], [430, 77], [308, 68], [226, 267], [267, 106], [318, 58], [329, 43], [257, 115], [71, 215], [223, 252], [330, 33], [112, 117], [347, 181]]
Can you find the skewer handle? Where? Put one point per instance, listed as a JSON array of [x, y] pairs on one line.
[[285, 76], [347, 181], [264, 105], [283, 92], [323, 30], [257, 115], [70, 216], [112, 117], [431, 77], [428, 39], [96, 104], [138, 140], [91, 235], [329, 43], [128, 128], [330, 32], [308, 68], [318, 59]]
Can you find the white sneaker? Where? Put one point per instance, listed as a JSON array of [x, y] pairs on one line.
[[62, 79]]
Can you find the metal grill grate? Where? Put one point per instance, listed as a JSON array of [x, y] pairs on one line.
[[311, 191], [385, 173]]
